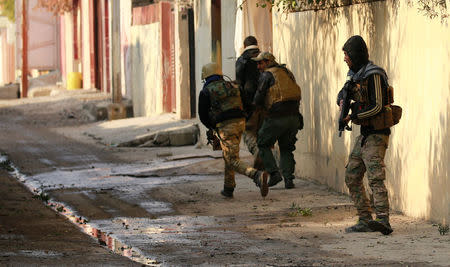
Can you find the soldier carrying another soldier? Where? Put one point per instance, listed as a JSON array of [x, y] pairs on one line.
[[279, 94], [220, 108]]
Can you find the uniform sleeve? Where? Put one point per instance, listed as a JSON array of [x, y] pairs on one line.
[[375, 94], [266, 80], [240, 71], [204, 106]]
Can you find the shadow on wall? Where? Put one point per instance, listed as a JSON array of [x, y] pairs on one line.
[[137, 72], [311, 45], [321, 71]]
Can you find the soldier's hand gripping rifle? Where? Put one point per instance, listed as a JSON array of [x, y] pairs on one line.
[[213, 140], [344, 95]]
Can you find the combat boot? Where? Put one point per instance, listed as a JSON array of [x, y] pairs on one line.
[[381, 224], [361, 226], [260, 180], [275, 178], [227, 192], [289, 183]]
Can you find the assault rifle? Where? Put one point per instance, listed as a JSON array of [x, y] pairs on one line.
[[344, 95]]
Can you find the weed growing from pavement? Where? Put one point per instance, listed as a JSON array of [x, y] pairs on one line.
[[297, 210], [443, 229]]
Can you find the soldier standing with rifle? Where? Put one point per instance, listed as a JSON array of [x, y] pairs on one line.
[[220, 108], [367, 85]]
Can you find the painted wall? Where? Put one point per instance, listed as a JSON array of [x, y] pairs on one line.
[[43, 38], [85, 44], [415, 51], [68, 44], [125, 30], [7, 51], [182, 68], [146, 85]]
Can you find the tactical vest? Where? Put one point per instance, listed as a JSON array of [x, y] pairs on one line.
[[284, 88], [389, 114], [224, 96]]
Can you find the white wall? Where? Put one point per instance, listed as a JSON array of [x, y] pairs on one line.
[[415, 51], [68, 36], [146, 72], [125, 63], [228, 14]]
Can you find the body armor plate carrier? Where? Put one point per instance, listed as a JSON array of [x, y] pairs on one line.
[[389, 114], [284, 89]]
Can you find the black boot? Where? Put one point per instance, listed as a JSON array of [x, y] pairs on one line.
[[227, 192], [275, 178], [260, 180], [361, 226], [258, 164], [289, 183], [381, 224]]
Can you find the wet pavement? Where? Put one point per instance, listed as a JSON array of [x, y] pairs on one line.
[[132, 237]]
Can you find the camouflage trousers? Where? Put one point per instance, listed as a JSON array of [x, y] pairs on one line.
[[230, 133], [368, 157]]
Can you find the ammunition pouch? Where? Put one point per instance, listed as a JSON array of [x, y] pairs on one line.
[[389, 116], [396, 113]]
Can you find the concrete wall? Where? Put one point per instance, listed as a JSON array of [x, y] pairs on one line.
[[68, 43], [229, 57], [146, 72], [415, 51], [182, 70], [85, 44], [202, 27], [125, 29]]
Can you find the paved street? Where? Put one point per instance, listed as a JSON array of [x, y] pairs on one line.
[[161, 206]]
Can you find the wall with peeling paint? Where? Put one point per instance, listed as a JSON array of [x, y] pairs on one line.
[[415, 51], [146, 84]]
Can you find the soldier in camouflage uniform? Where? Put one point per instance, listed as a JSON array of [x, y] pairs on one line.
[[220, 108], [371, 111]]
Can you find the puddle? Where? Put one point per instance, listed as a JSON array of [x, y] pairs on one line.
[[139, 239]]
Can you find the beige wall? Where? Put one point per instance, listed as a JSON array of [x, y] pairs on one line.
[[228, 14], [68, 39], [202, 28], [85, 45], [203, 49], [182, 70], [415, 52], [125, 62], [146, 72]]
